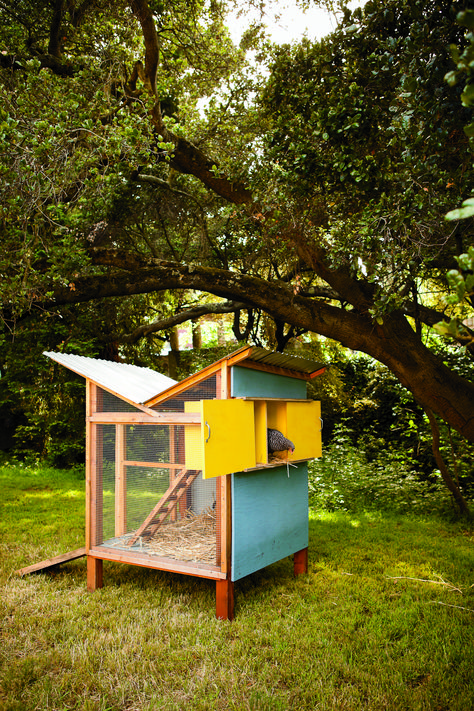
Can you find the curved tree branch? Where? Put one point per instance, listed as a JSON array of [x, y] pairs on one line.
[[187, 315], [393, 343]]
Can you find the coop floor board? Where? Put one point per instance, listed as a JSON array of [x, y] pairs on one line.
[[202, 570]]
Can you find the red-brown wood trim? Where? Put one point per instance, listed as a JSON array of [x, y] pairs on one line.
[[225, 599], [199, 570], [254, 365], [95, 574], [139, 418], [51, 562], [300, 562], [198, 377], [317, 372]]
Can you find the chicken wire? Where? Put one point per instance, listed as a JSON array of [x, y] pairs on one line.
[[205, 390], [136, 465]]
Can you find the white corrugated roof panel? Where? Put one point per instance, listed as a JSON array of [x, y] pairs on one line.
[[131, 382]]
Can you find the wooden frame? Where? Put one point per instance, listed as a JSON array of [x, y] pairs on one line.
[[284, 413]]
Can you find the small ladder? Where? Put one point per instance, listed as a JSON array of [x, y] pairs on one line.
[[165, 506]]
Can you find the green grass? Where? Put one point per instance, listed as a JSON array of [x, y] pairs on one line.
[[383, 620]]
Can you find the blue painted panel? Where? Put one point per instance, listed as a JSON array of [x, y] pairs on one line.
[[246, 382], [269, 517]]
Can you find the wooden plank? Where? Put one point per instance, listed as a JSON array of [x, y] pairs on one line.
[[269, 517], [276, 370], [95, 573], [274, 399], [261, 383], [201, 570], [225, 599], [300, 562], [52, 562], [90, 457], [152, 465], [120, 480], [165, 418], [318, 372]]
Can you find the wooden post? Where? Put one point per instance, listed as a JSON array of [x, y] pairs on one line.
[[120, 480], [95, 578], [300, 562], [225, 599]]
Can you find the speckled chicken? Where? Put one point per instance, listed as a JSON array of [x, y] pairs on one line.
[[278, 442]]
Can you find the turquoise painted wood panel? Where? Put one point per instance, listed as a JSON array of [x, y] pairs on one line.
[[269, 517], [246, 382]]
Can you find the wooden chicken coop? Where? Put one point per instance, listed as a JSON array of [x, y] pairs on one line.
[[178, 474]]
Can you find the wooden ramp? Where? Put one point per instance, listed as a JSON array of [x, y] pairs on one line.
[[52, 562], [166, 505]]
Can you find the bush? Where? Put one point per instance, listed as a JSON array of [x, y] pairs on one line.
[[344, 480]]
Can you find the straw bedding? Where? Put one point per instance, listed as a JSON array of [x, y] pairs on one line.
[[191, 538]]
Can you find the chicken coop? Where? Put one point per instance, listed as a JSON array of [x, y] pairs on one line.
[[183, 476]]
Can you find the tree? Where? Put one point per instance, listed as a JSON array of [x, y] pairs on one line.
[[320, 203]]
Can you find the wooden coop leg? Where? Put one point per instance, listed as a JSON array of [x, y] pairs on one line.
[[224, 599], [94, 573], [300, 562]]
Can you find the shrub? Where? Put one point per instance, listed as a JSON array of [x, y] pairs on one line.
[[344, 480]]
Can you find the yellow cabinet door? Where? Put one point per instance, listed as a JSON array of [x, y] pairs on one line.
[[303, 428], [224, 442]]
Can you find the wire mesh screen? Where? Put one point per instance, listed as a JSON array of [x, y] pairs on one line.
[[205, 390], [106, 402], [148, 498]]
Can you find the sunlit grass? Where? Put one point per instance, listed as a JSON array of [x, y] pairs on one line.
[[383, 620]]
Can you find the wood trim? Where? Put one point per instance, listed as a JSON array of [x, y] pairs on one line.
[[153, 465], [300, 562], [225, 599], [224, 390], [52, 562], [317, 372], [200, 570], [276, 369], [95, 574], [166, 418], [120, 480], [274, 399], [91, 450], [198, 377]]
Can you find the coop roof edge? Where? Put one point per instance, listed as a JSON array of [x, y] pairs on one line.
[[254, 356], [145, 387], [133, 383]]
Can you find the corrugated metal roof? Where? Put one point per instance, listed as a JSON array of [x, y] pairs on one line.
[[131, 382], [282, 360]]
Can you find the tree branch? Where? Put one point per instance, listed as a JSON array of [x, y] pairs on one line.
[[393, 342], [141, 10], [54, 46], [447, 478], [187, 315]]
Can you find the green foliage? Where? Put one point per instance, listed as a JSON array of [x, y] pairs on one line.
[[464, 69], [366, 143], [461, 282], [344, 480]]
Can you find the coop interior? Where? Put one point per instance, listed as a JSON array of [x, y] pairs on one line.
[[150, 499]]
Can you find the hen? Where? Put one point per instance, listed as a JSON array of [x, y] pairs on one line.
[[277, 442]]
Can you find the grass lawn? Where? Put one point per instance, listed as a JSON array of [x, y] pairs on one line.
[[383, 620]]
